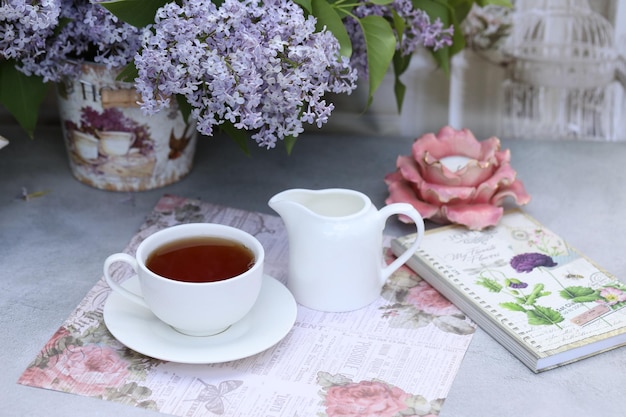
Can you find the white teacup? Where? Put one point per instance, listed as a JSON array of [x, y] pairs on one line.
[[193, 308]]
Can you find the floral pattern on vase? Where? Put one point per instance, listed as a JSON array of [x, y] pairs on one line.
[[112, 144]]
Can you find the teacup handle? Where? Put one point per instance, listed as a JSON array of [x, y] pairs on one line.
[[409, 211], [122, 257]]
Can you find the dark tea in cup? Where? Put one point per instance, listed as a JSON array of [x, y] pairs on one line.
[[199, 299], [200, 259]]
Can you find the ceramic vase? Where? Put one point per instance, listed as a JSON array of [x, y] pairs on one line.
[[111, 144]]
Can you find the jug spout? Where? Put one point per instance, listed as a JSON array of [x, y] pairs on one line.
[[289, 204], [295, 195], [331, 203]]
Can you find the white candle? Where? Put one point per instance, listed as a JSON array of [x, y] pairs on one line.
[[455, 162]]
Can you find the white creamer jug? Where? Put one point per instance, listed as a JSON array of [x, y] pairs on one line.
[[336, 246]]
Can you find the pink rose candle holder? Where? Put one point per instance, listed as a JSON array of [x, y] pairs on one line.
[[451, 177]]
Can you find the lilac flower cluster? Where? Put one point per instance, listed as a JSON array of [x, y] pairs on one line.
[[258, 65], [90, 32], [25, 25], [419, 30]]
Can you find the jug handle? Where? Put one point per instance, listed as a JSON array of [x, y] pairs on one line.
[[409, 211]]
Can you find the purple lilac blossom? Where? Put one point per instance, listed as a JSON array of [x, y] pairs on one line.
[[91, 33], [526, 262], [419, 31], [25, 25], [259, 65]]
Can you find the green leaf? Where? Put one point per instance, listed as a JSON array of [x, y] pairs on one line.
[[380, 43], [618, 285], [128, 73], [305, 4], [505, 3], [399, 90], [438, 9], [240, 136], [491, 284], [543, 316], [458, 10], [580, 294], [513, 306], [290, 142], [328, 17], [138, 13], [184, 107], [537, 292], [398, 24], [586, 299], [450, 12], [21, 95], [400, 62], [617, 306], [400, 65]]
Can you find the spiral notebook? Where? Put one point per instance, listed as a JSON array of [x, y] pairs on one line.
[[544, 301]]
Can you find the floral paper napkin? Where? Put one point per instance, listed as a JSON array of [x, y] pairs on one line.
[[396, 357]]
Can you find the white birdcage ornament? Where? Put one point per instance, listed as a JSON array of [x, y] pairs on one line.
[[561, 80]]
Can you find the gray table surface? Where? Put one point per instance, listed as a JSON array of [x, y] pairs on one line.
[[52, 249]]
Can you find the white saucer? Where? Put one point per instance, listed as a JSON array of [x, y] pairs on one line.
[[271, 318]]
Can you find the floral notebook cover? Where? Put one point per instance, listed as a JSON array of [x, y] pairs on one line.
[[396, 357], [539, 297]]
